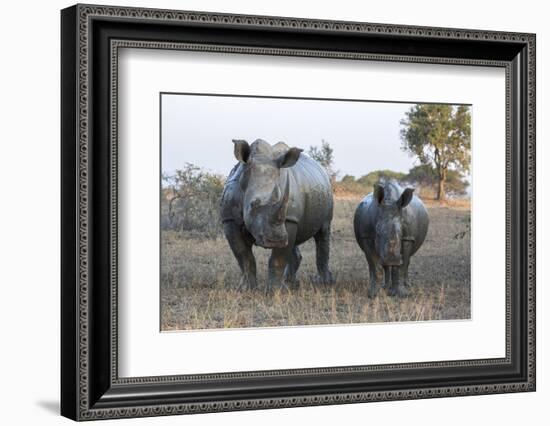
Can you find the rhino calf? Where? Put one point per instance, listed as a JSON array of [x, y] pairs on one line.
[[390, 225], [276, 198]]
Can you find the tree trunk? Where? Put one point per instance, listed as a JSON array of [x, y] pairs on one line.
[[442, 177]]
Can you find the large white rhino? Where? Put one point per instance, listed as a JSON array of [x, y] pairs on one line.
[[277, 198]]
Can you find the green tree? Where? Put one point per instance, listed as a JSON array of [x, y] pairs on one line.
[[439, 135], [324, 155], [425, 175], [455, 184]]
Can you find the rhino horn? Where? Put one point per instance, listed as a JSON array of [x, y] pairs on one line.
[[280, 207]]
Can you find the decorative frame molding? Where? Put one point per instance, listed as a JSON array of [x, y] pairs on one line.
[[91, 388]]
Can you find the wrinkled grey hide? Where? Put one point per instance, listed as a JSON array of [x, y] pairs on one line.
[[390, 226], [276, 198]]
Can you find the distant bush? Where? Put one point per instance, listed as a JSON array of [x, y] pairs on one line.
[[190, 201], [380, 175], [364, 184], [423, 178]]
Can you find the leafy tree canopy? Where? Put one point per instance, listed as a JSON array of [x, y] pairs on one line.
[[324, 155], [439, 135], [426, 176]]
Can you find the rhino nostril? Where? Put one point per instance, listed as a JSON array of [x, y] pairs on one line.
[[255, 203]]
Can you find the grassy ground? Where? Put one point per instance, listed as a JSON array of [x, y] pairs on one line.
[[199, 277]]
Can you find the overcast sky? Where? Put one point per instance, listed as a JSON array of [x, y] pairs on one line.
[[364, 135]]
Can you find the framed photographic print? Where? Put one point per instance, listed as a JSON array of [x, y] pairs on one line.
[[263, 212]]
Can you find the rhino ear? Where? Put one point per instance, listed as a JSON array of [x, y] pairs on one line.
[[241, 150], [378, 193], [289, 158], [405, 198]]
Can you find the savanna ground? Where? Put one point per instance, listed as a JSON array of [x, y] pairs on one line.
[[199, 277]]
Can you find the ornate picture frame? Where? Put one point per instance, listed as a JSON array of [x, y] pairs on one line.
[[91, 37]]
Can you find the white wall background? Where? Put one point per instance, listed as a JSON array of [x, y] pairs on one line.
[[29, 211]]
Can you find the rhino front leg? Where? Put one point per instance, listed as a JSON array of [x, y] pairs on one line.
[[292, 267], [406, 248], [375, 270], [241, 246], [279, 260], [400, 274], [387, 277], [322, 251], [397, 287], [376, 276]]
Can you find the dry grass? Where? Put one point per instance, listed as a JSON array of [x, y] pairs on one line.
[[199, 277]]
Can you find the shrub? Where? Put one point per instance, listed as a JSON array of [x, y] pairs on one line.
[[190, 201], [365, 183]]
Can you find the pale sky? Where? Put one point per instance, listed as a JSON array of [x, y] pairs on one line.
[[364, 135]]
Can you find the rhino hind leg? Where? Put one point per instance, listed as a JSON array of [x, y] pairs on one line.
[[292, 268], [241, 246], [322, 252]]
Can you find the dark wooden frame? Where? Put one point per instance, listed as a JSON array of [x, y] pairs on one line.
[[90, 386]]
